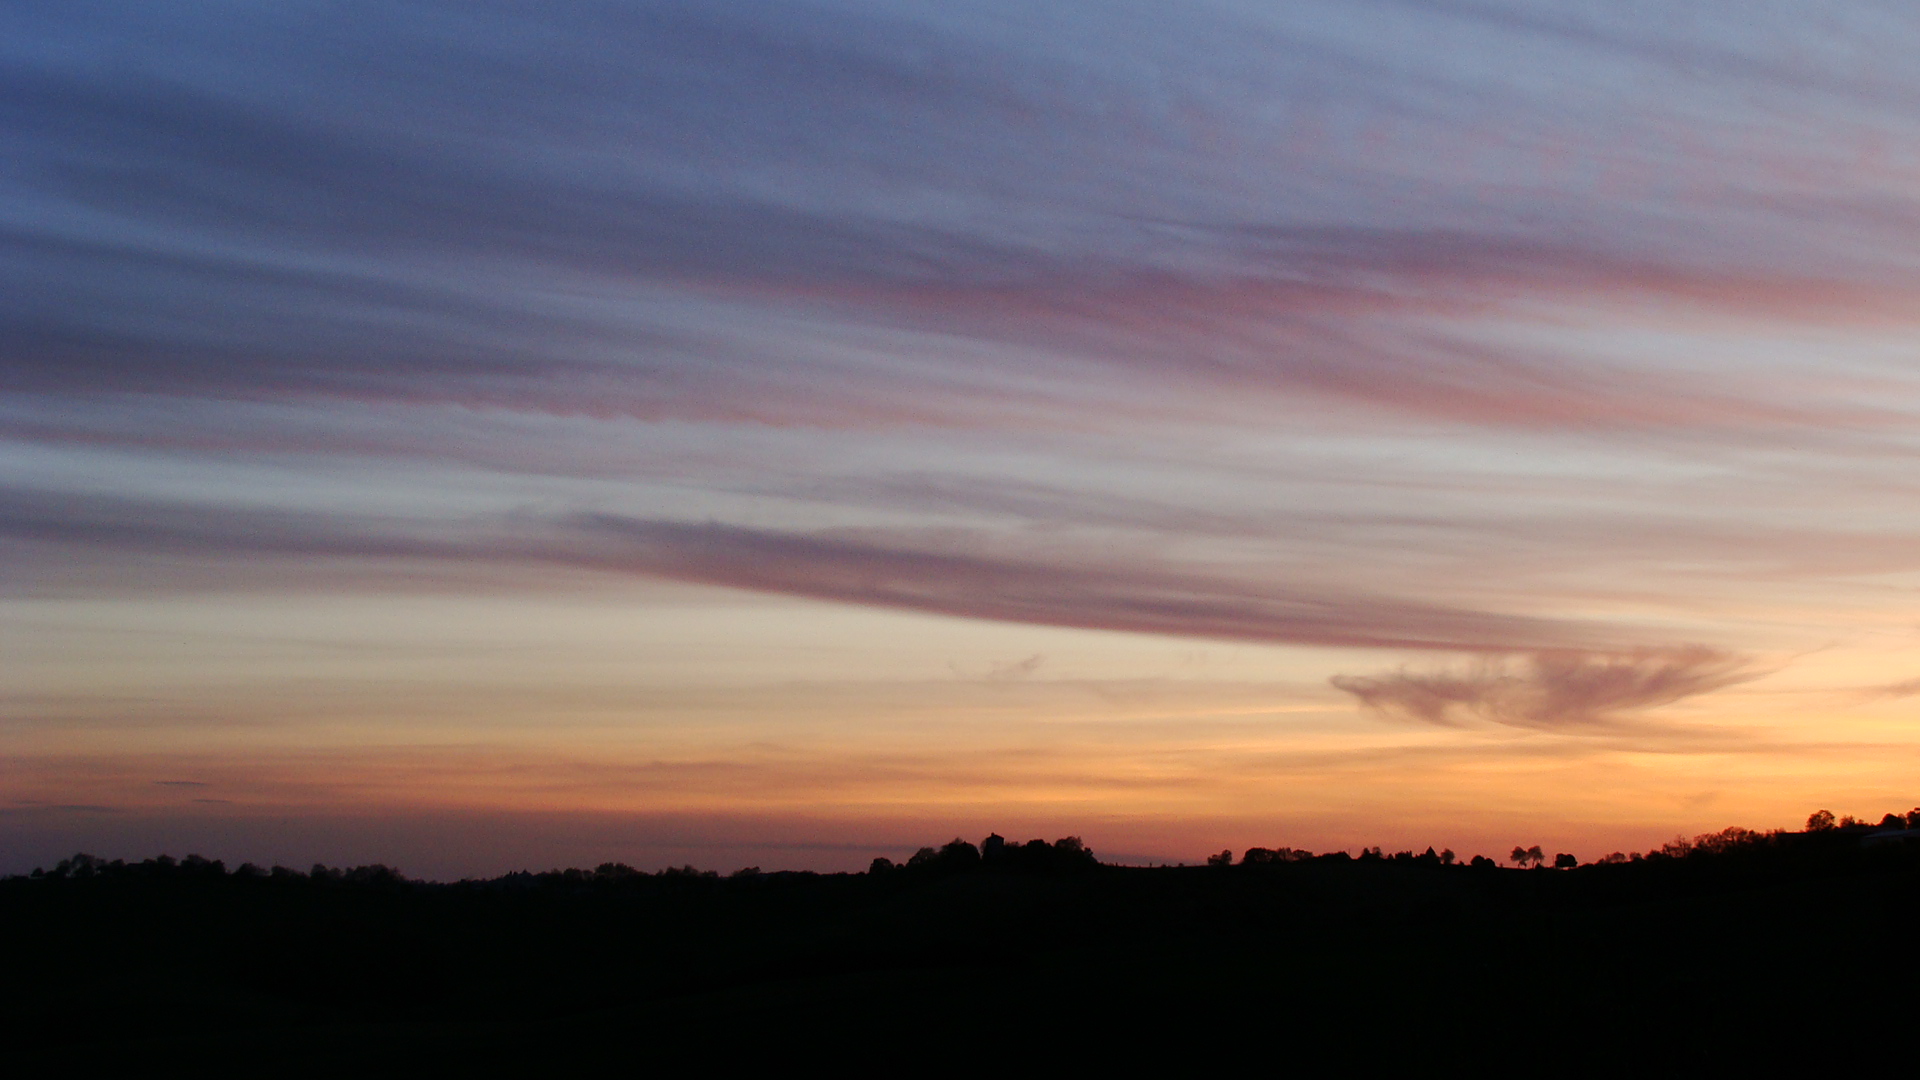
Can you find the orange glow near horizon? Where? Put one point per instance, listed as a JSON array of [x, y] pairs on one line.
[[910, 728]]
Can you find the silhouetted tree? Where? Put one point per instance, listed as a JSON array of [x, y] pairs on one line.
[[1564, 861], [1447, 857], [381, 874], [1677, 848], [687, 871], [1727, 839], [200, 866], [880, 865], [1820, 821], [1225, 858], [956, 854], [1070, 851], [1275, 855], [80, 865]]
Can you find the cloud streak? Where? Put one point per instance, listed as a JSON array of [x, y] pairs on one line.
[[1559, 690], [1138, 597], [828, 216], [944, 572]]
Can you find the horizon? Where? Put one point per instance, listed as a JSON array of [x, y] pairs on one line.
[[441, 434], [1719, 841]]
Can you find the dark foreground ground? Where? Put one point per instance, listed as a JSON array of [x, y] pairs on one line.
[[1762, 949]]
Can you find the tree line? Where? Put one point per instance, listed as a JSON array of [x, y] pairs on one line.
[[996, 853]]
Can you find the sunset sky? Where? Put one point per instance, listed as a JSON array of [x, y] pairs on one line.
[[475, 436]]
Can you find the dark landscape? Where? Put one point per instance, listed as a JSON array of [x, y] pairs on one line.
[[1736, 930]]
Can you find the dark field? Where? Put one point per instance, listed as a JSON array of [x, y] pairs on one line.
[[1751, 948]]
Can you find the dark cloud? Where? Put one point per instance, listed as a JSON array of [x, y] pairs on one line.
[[876, 569], [1557, 690], [78, 524], [947, 572]]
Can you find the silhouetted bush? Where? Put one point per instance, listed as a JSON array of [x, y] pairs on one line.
[[687, 872], [1260, 856], [1034, 856]]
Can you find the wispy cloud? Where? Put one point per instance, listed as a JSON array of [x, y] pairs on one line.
[[1551, 690], [714, 210], [1902, 689], [948, 572], [1015, 670], [880, 571]]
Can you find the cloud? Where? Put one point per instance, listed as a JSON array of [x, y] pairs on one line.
[[1015, 670], [957, 572], [917, 572], [1903, 688], [1551, 690], [102, 523], [672, 211]]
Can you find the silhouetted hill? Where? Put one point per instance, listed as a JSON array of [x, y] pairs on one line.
[[1660, 954]]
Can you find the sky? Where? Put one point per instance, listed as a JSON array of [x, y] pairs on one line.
[[477, 436]]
